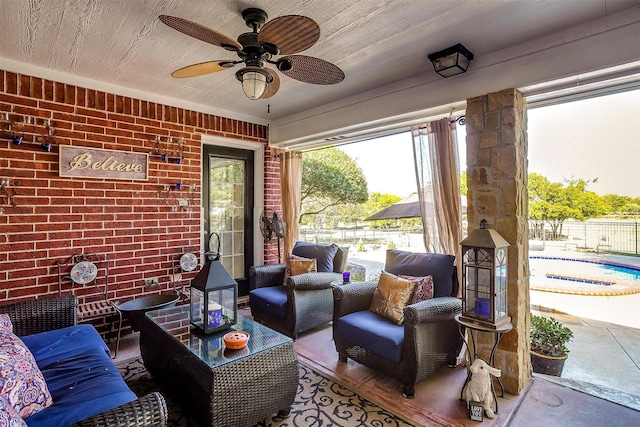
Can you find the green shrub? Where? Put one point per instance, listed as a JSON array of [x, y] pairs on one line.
[[391, 245], [548, 336]]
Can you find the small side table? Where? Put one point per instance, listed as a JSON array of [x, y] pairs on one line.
[[475, 328]]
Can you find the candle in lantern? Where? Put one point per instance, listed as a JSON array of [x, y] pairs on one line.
[[214, 311]]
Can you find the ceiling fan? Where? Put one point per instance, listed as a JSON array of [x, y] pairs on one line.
[[285, 35]]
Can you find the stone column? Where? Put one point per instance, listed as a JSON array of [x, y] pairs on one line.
[[497, 183]]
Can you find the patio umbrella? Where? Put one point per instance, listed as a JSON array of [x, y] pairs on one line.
[[409, 207]]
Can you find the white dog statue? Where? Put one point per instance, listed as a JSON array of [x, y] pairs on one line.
[[479, 387]]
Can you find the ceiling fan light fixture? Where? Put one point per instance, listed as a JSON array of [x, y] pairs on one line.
[[284, 35], [254, 84], [254, 81], [451, 61]]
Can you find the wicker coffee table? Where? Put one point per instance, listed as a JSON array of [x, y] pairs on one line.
[[217, 386]]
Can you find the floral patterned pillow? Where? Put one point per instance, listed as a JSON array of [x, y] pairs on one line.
[[21, 382], [8, 415], [6, 327], [423, 290]]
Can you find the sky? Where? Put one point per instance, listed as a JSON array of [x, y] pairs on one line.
[[566, 141]]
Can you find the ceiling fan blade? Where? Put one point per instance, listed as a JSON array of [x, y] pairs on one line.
[[201, 69], [200, 32], [272, 88], [291, 33], [313, 70]]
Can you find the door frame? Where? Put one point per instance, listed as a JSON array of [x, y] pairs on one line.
[[258, 187]]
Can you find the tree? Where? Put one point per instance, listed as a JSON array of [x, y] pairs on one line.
[[554, 202], [464, 188], [622, 206], [330, 178]]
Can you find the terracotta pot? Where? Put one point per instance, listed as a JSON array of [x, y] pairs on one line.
[[549, 365]]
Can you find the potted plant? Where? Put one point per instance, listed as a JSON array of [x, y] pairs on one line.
[[549, 349]]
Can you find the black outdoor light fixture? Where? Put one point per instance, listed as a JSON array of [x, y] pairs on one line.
[[484, 278], [451, 61]]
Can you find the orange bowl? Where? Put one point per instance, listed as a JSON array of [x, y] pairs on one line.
[[236, 340]]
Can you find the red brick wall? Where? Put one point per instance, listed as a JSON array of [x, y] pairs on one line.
[[272, 199], [130, 221]]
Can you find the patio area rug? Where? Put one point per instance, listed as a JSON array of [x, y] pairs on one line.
[[319, 402]]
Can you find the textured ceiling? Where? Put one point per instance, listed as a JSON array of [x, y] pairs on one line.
[[375, 42]]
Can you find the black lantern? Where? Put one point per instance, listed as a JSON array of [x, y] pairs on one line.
[[214, 296], [484, 278], [451, 61]]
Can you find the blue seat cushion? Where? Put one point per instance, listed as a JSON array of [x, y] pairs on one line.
[[372, 332], [271, 299], [79, 373], [323, 254]]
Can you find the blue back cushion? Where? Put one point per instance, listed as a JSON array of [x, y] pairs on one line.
[[372, 332], [323, 254], [272, 300], [80, 375], [441, 267]]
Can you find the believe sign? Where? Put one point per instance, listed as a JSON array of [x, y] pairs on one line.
[[87, 162]]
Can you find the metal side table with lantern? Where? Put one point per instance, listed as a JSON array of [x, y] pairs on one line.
[[474, 328], [484, 293]]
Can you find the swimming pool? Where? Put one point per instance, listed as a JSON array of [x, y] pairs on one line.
[[582, 276]]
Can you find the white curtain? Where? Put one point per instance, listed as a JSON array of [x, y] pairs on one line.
[[435, 152]]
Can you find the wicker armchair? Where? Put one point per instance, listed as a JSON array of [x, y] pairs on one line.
[[307, 298], [45, 314], [430, 339]]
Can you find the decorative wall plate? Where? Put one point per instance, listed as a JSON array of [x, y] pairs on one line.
[[188, 262], [83, 272]]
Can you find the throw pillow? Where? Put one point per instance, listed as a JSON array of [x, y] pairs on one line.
[[6, 327], [8, 415], [21, 381], [323, 254], [423, 288], [391, 297], [298, 265]]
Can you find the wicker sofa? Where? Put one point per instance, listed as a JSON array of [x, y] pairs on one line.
[[77, 368], [429, 337]]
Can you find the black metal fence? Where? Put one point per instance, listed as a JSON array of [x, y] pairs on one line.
[[617, 236]]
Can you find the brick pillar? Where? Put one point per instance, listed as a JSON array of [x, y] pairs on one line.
[[497, 182]]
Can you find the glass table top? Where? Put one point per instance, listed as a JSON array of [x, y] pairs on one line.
[[210, 348]]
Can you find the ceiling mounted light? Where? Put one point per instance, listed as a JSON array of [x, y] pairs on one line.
[[254, 81], [451, 61]]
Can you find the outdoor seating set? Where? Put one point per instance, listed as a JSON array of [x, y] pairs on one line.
[[402, 325]]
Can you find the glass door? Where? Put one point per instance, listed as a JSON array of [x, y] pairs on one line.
[[228, 208]]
